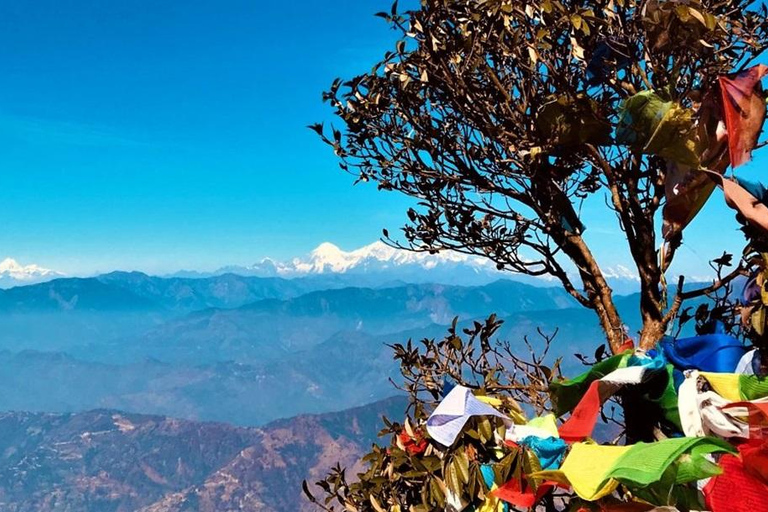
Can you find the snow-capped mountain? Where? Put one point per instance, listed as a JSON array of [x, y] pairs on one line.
[[328, 258], [378, 264], [12, 273]]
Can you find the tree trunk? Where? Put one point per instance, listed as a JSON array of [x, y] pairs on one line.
[[598, 291], [654, 323]]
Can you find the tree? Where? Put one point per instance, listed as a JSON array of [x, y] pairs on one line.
[[501, 118], [497, 116]]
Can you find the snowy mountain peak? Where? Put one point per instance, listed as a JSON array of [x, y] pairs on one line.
[[375, 257], [377, 250], [12, 273], [326, 249], [326, 257], [377, 261], [9, 265]]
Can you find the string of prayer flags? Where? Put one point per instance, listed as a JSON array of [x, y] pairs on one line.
[[567, 394], [584, 416], [710, 408], [686, 189], [449, 417], [744, 111], [640, 368], [595, 471]]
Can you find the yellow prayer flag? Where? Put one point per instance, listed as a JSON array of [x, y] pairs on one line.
[[587, 468], [547, 423], [724, 384]]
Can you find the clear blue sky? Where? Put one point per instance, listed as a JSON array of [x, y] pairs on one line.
[[165, 135]]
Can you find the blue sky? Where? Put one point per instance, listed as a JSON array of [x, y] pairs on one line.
[[166, 135]]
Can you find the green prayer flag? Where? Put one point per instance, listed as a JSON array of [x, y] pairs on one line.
[[753, 387], [668, 400], [654, 126], [644, 463], [595, 471]]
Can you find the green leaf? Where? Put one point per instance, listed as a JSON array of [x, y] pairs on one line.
[[462, 465], [576, 21], [485, 429], [452, 480], [438, 498]]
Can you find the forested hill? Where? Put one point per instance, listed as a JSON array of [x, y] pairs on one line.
[[109, 461]]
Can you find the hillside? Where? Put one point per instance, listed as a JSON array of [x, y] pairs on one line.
[[107, 461]]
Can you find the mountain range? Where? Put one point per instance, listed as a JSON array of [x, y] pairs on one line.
[[155, 345], [201, 348], [379, 264], [373, 265]]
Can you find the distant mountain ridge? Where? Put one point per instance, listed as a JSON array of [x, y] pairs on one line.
[[378, 264], [375, 264], [143, 350], [272, 329], [201, 348], [327, 266]]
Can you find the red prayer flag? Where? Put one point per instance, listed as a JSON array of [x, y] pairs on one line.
[[735, 490], [584, 417], [755, 459], [758, 417], [517, 492], [744, 110]]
